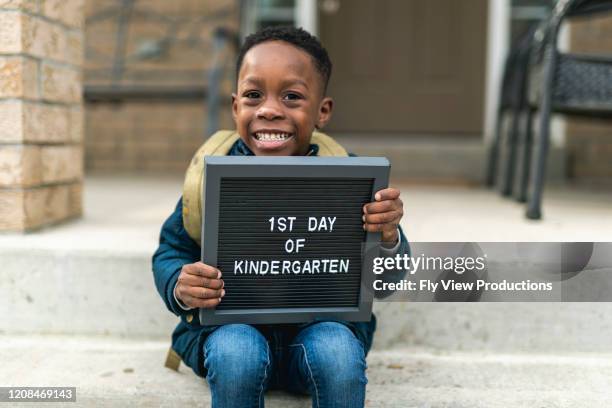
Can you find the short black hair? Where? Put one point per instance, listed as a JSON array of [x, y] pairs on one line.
[[294, 36]]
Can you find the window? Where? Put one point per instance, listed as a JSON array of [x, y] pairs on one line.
[[258, 14]]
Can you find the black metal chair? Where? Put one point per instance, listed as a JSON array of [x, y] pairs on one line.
[[513, 102], [524, 137], [563, 83]]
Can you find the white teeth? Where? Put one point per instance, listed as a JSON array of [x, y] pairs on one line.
[[272, 136]]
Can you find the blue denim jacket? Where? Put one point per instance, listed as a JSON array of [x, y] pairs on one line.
[[176, 248]]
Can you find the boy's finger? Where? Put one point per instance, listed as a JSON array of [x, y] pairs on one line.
[[379, 207], [201, 269], [203, 303], [379, 227], [203, 293], [209, 303], [387, 194], [382, 218], [191, 280], [197, 280], [213, 283]]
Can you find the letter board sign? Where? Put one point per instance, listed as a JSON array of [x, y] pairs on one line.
[[287, 234]]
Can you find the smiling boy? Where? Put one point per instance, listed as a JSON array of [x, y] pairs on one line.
[[280, 101], [280, 98]]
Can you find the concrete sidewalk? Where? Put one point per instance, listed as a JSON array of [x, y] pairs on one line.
[[117, 373]]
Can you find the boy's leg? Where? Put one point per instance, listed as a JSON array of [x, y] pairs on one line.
[[328, 361], [237, 360]]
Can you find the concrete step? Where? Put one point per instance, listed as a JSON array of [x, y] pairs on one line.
[[80, 292], [111, 372]]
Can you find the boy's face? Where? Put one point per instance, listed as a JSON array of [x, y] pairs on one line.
[[279, 100]]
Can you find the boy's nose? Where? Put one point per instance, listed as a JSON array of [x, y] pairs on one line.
[[268, 112]]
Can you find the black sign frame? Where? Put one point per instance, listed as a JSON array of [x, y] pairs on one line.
[[218, 167]]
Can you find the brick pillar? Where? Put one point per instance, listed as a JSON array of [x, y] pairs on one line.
[[41, 114]]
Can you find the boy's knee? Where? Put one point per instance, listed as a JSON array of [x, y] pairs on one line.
[[237, 353], [334, 354]]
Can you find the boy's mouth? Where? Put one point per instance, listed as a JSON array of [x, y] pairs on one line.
[[271, 140]]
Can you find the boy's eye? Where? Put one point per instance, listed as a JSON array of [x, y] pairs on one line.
[[292, 96], [252, 95]]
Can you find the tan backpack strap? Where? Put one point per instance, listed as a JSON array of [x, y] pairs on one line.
[[173, 360], [218, 144], [327, 145]]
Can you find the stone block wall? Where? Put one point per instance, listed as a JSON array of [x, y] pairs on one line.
[[152, 135], [41, 114]]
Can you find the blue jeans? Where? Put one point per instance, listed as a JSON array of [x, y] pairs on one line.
[[324, 360]]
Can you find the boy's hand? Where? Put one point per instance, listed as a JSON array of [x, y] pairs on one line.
[[384, 214], [199, 285]]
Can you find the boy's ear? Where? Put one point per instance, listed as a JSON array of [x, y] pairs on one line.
[[325, 112], [234, 106]]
